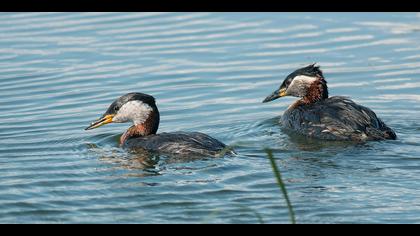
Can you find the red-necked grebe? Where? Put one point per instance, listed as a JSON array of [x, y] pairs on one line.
[[141, 109], [330, 118]]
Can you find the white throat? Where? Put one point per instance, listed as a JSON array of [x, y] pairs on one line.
[[135, 111]]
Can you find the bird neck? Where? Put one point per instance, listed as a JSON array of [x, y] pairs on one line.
[[149, 127], [317, 91]]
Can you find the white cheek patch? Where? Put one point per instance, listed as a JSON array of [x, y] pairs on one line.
[[135, 111], [302, 80], [300, 84]]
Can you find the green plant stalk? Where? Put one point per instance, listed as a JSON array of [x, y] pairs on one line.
[[281, 184]]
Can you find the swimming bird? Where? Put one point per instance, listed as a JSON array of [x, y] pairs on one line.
[[141, 110], [329, 118]]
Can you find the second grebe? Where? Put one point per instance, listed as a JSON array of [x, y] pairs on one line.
[[331, 118]]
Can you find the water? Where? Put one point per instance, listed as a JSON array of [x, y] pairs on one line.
[[209, 72]]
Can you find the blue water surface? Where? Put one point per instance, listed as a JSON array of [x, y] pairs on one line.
[[209, 72]]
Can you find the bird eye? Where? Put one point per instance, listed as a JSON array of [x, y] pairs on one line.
[[116, 108]]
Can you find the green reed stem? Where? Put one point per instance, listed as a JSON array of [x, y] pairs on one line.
[[281, 184]]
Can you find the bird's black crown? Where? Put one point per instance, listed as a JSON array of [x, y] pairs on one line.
[[311, 70], [117, 104]]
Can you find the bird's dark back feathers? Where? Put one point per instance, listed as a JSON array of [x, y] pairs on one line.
[[182, 143], [337, 118]]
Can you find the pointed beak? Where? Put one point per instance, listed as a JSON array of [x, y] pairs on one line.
[[276, 94], [102, 121]]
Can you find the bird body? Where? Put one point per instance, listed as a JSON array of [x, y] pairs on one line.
[[336, 118], [181, 143]]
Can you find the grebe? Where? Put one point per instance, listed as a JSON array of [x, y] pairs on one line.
[[330, 118], [141, 109]]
